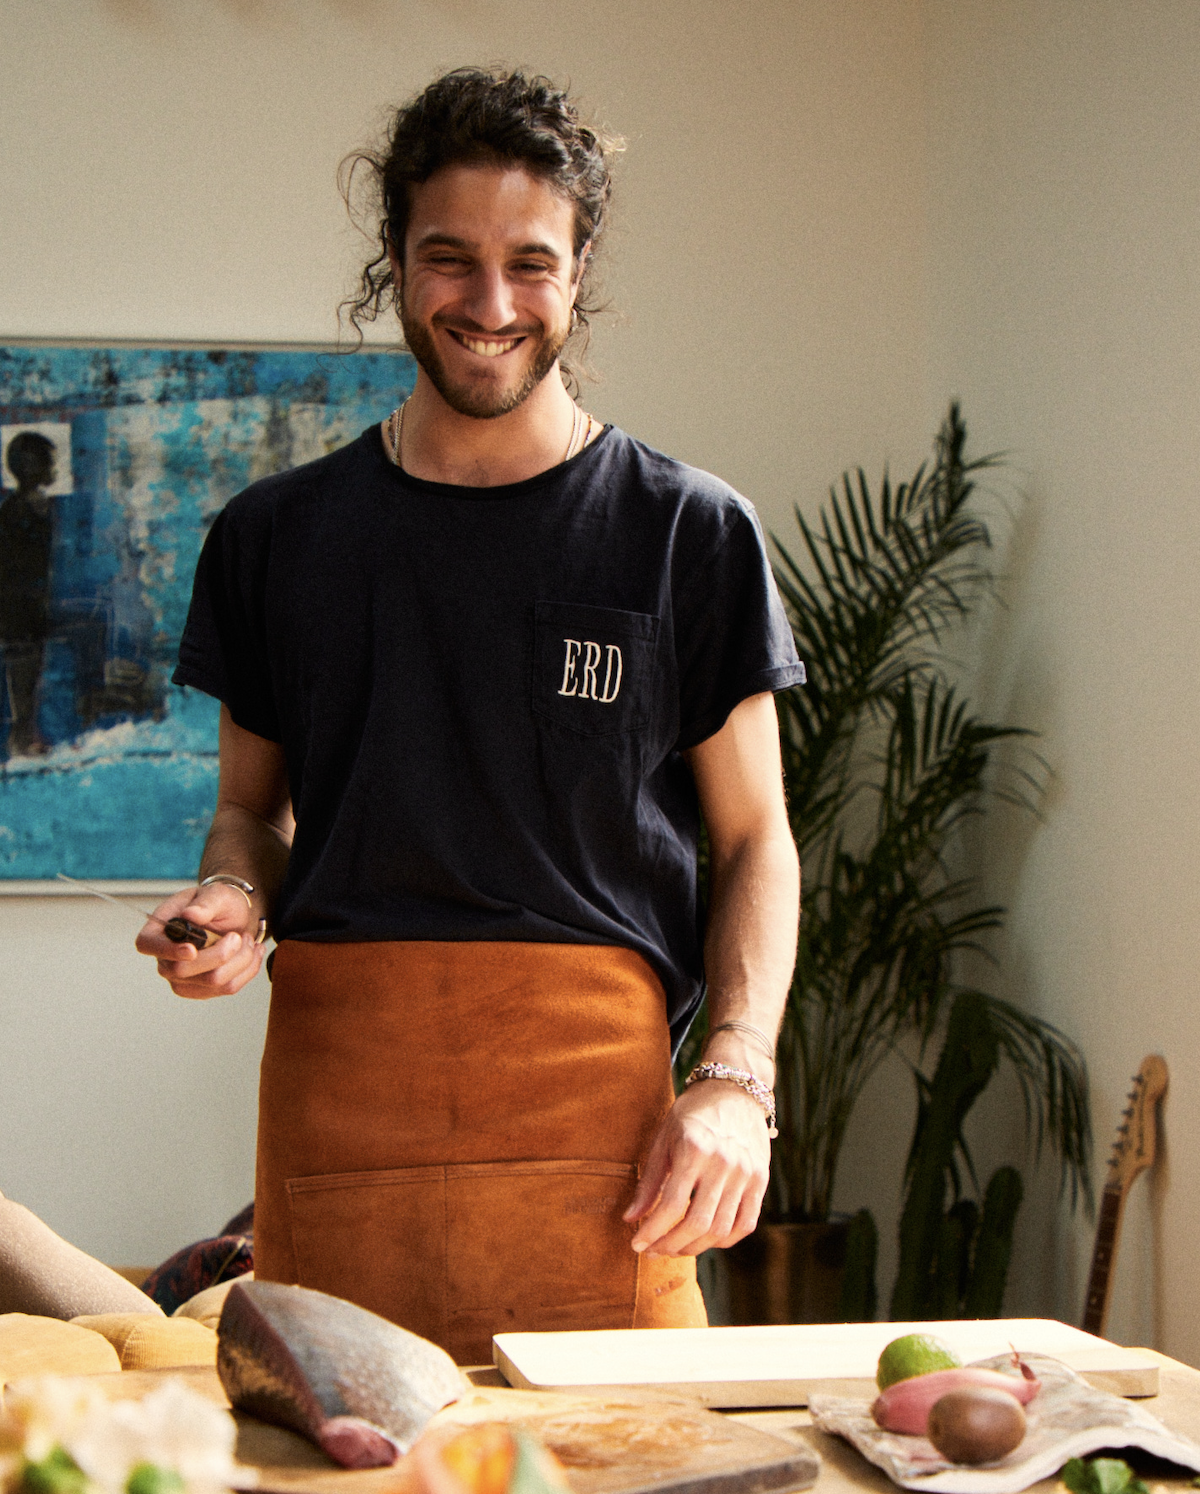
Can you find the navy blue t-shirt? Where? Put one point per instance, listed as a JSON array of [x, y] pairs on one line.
[[483, 694]]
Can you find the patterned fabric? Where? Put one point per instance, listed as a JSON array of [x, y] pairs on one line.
[[242, 1222], [204, 1264]]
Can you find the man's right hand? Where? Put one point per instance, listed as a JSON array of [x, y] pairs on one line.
[[224, 967], [251, 837]]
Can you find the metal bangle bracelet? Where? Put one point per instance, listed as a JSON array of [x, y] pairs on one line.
[[227, 879], [736, 1025]]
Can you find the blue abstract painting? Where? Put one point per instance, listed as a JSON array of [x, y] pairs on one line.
[[115, 461]]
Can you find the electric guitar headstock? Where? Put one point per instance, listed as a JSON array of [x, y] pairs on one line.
[[1137, 1141], [1137, 1135]]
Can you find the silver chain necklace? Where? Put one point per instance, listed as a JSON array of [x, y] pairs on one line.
[[580, 433]]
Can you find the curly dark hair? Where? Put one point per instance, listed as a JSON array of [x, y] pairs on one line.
[[477, 115]]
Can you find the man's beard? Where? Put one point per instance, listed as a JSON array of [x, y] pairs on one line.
[[481, 404]]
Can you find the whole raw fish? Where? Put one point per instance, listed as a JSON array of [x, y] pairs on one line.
[[358, 1386]]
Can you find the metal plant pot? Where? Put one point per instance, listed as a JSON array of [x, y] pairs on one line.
[[787, 1273]]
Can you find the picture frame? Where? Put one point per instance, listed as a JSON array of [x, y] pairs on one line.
[[115, 459]]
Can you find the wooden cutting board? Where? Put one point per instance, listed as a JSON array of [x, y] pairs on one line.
[[779, 1366], [631, 1442]]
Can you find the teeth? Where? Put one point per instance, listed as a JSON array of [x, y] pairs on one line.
[[489, 349]]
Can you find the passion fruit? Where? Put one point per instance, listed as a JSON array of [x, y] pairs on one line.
[[976, 1425]]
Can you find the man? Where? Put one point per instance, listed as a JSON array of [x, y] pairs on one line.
[[496, 657], [26, 543]]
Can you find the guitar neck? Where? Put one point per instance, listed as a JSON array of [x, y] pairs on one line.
[[1099, 1291], [1132, 1154]]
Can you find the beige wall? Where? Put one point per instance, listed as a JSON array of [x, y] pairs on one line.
[[168, 172], [1064, 184], [126, 1116]]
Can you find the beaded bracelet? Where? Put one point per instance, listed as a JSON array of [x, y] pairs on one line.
[[744, 1080]]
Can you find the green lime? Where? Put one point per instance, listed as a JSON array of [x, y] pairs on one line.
[[57, 1473], [914, 1354], [149, 1478]]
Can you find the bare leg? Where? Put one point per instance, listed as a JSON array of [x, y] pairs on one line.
[[24, 671], [40, 1273]]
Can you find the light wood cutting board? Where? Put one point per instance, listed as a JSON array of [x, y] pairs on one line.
[[627, 1443], [779, 1366]]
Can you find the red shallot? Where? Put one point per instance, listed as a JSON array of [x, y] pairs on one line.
[[905, 1406]]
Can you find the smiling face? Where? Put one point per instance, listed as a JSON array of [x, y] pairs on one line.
[[487, 285]]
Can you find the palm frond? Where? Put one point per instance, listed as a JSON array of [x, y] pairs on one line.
[[884, 762], [1054, 1088]]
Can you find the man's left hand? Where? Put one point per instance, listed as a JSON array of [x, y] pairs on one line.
[[705, 1174]]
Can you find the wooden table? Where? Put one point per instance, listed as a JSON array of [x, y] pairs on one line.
[[293, 1466]]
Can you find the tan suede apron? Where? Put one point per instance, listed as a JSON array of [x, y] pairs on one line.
[[450, 1132]]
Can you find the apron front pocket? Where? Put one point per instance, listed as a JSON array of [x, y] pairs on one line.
[[378, 1239], [459, 1252]]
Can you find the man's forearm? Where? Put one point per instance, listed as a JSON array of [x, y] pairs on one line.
[[247, 846], [750, 947], [706, 1171], [250, 839]]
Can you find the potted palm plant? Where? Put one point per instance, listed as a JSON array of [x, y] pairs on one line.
[[884, 762]]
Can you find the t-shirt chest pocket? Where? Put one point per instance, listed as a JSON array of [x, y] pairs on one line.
[[593, 667]]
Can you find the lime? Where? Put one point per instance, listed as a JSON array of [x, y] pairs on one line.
[[57, 1473], [149, 1478], [914, 1354]]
